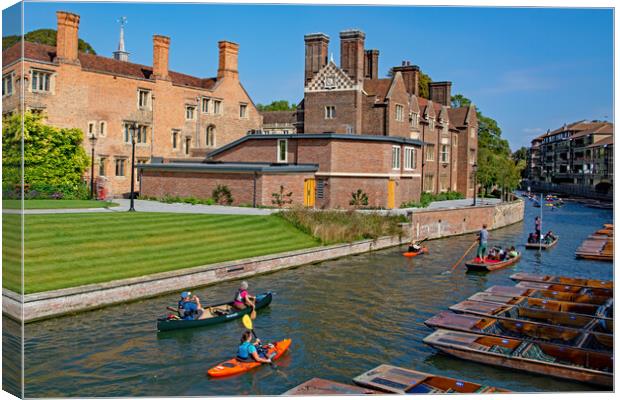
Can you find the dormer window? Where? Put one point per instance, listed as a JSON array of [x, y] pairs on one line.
[[414, 120], [400, 111]]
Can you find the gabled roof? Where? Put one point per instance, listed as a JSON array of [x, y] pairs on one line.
[[341, 80], [603, 142], [279, 117], [377, 87], [94, 63]]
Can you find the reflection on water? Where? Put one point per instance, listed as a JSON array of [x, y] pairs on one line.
[[344, 316]]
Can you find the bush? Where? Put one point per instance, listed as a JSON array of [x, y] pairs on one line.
[[222, 196], [281, 198], [338, 226], [359, 198], [427, 198]]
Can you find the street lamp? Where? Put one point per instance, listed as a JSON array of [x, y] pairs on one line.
[[474, 169], [132, 131], [93, 140]]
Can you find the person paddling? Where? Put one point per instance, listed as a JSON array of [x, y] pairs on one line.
[[414, 247], [483, 238], [243, 298], [248, 351], [189, 307]]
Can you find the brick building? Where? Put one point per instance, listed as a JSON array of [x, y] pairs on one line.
[[321, 170], [175, 115]]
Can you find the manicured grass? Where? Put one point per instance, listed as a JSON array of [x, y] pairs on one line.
[[65, 250], [54, 204]]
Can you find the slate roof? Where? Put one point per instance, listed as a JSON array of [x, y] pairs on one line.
[[95, 63]]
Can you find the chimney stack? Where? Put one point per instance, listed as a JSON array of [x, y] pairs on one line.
[[317, 45], [67, 37], [439, 92], [352, 54], [161, 48], [371, 64], [411, 76], [229, 59]]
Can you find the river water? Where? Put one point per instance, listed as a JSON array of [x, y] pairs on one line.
[[344, 316]]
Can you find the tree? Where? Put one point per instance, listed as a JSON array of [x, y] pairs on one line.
[[52, 156], [43, 36], [520, 154], [278, 105]]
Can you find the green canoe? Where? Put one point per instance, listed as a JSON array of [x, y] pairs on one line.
[[219, 313]]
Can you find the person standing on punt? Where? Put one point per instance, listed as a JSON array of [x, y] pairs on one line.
[[483, 239], [537, 227]]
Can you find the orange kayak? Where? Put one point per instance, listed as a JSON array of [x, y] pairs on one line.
[[234, 366], [415, 253]]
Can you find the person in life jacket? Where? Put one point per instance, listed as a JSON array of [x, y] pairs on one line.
[[251, 352], [189, 307], [414, 247], [243, 298]]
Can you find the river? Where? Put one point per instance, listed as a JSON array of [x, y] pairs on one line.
[[345, 316]]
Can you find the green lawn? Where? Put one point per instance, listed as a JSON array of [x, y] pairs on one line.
[[51, 204], [66, 250]]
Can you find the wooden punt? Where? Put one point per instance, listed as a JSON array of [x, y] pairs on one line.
[[522, 330], [548, 294], [516, 313], [566, 288], [318, 386], [600, 310], [562, 280], [490, 265], [541, 245], [390, 379], [542, 358]]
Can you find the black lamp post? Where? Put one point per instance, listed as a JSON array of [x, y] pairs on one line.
[[475, 172], [93, 141], [132, 131]]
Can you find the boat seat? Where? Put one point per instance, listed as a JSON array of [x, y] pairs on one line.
[[500, 349], [536, 353]]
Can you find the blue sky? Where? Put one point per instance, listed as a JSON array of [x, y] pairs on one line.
[[529, 68]]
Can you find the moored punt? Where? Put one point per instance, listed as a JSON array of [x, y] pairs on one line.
[[600, 310], [318, 386], [541, 245], [217, 313], [390, 379], [543, 358], [490, 265], [562, 280], [547, 317], [566, 288], [548, 294], [533, 331]]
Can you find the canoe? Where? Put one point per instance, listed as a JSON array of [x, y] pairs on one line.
[[542, 245], [542, 358], [234, 366], [566, 288], [490, 265], [415, 253], [525, 314], [217, 313], [578, 297], [598, 310], [562, 280], [390, 379], [324, 387], [522, 330]]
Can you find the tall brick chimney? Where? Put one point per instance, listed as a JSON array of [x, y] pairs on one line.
[[317, 45], [161, 48], [440, 92], [411, 76], [352, 54], [371, 64], [229, 59], [67, 37]]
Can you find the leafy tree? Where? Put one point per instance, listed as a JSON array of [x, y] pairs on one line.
[[52, 156], [278, 105], [43, 36]]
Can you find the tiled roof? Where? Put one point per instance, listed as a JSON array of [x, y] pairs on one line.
[[603, 142], [377, 87], [91, 62], [279, 117]]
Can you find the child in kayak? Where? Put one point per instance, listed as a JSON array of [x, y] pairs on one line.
[[248, 351]]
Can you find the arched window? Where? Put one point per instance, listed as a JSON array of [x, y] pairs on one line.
[[210, 138]]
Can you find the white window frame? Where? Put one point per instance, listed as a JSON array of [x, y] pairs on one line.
[[430, 155], [205, 104], [431, 124], [400, 113], [330, 112], [39, 73], [218, 107], [147, 99], [117, 162], [243, 111], [210, 129], [409, 158], [279, 151], [415, 120], [396, 157], [444, 155], [8, 82], [190, 109]]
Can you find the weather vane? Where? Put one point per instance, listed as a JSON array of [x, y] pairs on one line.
[[122, 20]]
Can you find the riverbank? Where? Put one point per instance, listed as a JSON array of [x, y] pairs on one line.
[[430, 223]]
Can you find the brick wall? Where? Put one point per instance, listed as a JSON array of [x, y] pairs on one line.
[[346, 111], [270, 183]]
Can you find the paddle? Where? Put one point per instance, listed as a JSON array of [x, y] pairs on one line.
[[460, 259], [170, 308]]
